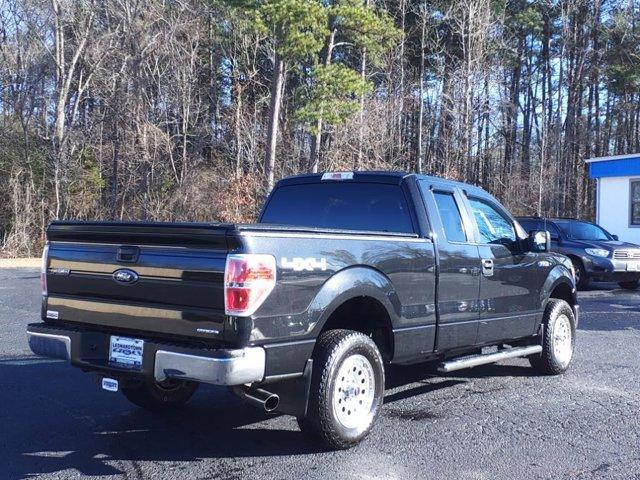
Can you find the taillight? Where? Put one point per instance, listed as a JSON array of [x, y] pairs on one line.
[[43, 270], [248, 281]]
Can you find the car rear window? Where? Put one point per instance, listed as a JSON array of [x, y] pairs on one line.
[[539, 225], [531, 225], [343, 205]]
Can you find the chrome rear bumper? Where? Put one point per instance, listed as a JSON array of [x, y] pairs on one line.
[[233, 367], [214, 366], [50, 345]]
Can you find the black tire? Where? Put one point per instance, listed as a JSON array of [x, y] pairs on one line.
[[160, 396], [553, 360], [630, 285], [582, 277], [336, 350]]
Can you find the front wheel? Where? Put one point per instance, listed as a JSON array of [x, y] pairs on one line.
[[347, 389], [159, 396], [630, 285], [558, 339]]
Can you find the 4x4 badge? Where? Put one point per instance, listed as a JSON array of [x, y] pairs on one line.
[[299, 264]]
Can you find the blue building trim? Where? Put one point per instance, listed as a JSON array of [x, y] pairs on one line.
[[627, 167]]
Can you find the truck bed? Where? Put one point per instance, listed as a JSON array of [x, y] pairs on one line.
[[179, 266]]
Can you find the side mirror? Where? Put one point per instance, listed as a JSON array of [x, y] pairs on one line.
[[539, 241], [615, 237]]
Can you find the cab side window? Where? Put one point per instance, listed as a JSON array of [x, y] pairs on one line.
[[450, 217], [493, 225]]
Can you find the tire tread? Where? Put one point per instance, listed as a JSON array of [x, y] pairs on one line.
[[545, 362], [319, 422]]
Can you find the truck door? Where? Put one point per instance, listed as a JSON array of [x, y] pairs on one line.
[[459, 267], [511, 279]]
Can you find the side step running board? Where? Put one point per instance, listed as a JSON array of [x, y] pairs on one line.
[[475, 360]]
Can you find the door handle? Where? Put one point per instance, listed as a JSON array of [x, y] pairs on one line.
[[487, 267]]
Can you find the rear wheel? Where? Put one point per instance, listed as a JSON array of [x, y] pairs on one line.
[[630, 285], [582, 277], [158, 396], [347, 389], [558, 339]]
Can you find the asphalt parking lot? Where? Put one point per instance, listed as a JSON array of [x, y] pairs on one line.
[[494, 422]]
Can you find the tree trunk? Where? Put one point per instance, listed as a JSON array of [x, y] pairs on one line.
[[420, 149], [275, 104], [314, 156], [363, 71]]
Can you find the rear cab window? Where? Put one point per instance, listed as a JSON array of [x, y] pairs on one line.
[[366, 206]]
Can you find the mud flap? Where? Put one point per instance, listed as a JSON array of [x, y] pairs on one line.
[[294, 393]]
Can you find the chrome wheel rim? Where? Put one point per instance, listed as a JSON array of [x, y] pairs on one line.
[[563, 340], [354, 392]]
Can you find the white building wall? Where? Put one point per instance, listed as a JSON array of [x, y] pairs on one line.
[[613, 208]]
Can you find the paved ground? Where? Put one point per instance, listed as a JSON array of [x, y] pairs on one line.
[[493, 422]]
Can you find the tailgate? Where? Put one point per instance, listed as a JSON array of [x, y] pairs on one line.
[[154, 278]]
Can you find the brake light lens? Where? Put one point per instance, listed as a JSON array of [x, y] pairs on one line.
[[337, 176], [43, 270], [248, 281]]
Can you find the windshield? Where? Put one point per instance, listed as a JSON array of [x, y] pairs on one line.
[[583, 231]]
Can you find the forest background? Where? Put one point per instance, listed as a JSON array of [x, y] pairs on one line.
[[191, 110]]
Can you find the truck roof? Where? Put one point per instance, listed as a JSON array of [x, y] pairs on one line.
[[381, 176]]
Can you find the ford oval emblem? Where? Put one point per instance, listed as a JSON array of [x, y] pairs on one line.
[[125, 276]]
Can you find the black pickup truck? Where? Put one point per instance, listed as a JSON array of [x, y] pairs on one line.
[[300, 312]]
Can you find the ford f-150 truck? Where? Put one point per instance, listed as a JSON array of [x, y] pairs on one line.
[[300, 312]]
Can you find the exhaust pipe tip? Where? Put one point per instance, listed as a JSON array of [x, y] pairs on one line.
[[260, 398], [271, 403]]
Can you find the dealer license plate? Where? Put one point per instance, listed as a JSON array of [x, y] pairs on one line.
[[633, 266], [126, 352]]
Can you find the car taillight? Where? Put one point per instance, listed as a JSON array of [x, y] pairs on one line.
[[43, 270], [248, 281]]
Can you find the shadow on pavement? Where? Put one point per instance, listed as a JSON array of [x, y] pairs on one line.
[[615, 320], [56, 418], [607, 308]]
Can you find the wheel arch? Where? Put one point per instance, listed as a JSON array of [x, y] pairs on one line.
[[564, 291], [559, 285], [361, 299]]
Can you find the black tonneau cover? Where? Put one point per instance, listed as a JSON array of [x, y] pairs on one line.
[[210, 235]]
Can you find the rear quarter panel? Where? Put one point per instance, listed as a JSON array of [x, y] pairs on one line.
[[399, 272]]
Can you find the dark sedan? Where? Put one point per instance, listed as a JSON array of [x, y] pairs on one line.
[[596, 254]]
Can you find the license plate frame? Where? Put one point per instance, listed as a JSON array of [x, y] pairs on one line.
[[633, 266], [126, 352]]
